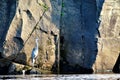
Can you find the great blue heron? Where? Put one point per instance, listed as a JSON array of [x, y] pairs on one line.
[[34, 52]]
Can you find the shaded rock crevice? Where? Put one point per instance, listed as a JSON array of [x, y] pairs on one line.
[[8, 9]]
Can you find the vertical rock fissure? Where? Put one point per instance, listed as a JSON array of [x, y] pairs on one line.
[[82, 31], [61, 44]]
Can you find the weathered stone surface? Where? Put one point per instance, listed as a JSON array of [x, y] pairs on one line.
[[18, 19], [12, 47], [16, 68], [109, 40], [33, 71]]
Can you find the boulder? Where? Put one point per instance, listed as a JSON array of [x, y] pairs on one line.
[[4, 66]]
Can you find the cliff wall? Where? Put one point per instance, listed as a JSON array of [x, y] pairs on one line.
[[74, 35]]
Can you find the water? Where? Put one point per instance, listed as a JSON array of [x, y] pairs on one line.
[[62, 77]]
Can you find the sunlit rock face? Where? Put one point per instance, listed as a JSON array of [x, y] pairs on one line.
[[17, 20], [109, 40]]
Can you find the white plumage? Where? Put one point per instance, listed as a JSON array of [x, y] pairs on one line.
[[34, 52]]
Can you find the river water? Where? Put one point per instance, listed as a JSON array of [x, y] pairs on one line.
[[62, 77]]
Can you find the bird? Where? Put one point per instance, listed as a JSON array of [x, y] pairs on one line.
[[34, 53]]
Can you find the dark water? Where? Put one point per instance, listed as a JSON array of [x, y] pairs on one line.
[[62, 77]]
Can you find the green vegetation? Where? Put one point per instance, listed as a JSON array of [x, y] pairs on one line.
[[62, 4], [44, 6], [62, 13]]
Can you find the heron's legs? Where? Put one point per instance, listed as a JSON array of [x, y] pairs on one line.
[[33, 61]]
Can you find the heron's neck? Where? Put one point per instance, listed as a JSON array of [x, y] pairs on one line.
[[36, 44]]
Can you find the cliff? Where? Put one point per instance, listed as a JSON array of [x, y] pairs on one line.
[[109, 40], [74, 36], [24, 21]]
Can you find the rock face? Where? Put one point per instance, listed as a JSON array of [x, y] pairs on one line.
[[89, 33], [79, 29], [24, 21], [109, 40]]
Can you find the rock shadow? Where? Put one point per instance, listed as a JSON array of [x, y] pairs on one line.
[[7, 65], [116, 68], [8, 10], [79, 23]]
